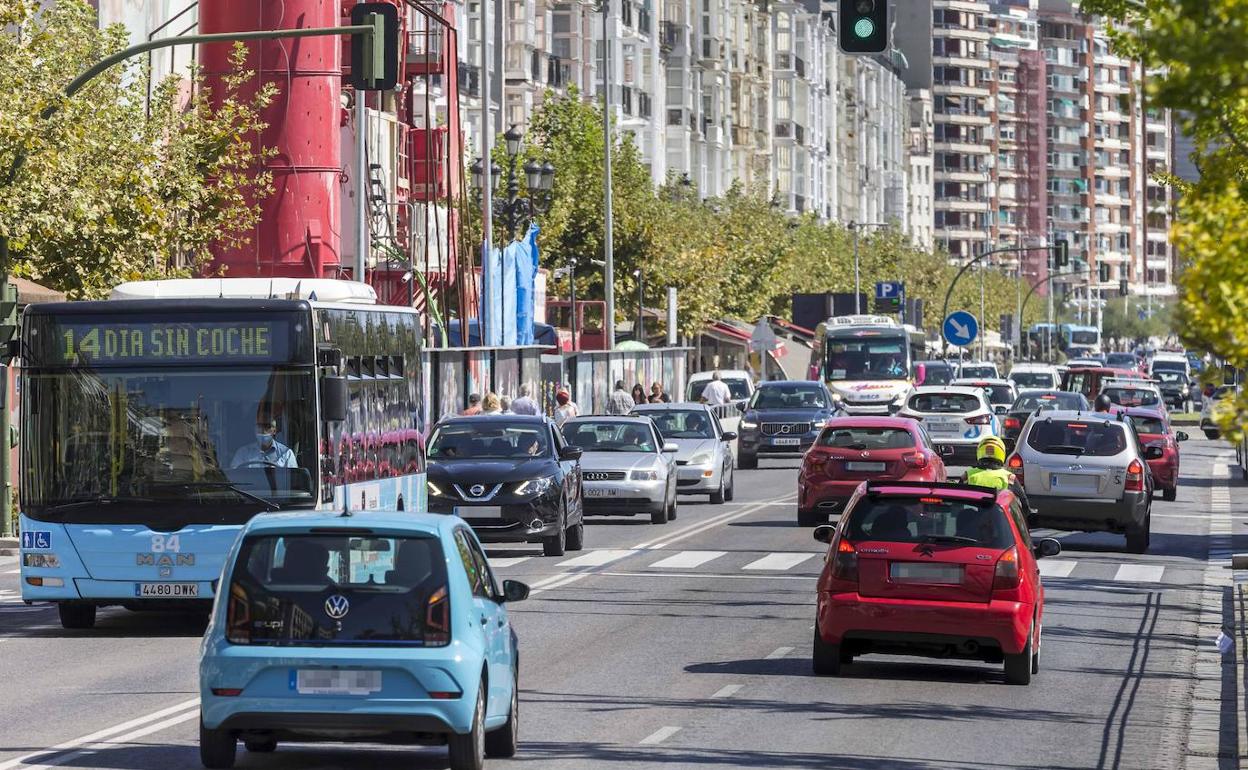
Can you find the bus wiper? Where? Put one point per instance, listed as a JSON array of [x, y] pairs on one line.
[[98, 500], [950, 540], [231, 486]]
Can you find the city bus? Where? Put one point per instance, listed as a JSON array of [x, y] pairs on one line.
[[867, 361], [157, 422], [1074, 337]]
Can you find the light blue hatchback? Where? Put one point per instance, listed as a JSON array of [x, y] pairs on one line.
[[379, 627]]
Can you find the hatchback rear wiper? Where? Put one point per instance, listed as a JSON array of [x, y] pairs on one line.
[[950, 540], [231, 486], [1065, 449]]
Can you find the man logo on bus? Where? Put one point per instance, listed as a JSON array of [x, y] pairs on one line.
[[337, 606]]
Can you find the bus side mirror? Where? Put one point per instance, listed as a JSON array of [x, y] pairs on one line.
[[920, 374], [333, 398]]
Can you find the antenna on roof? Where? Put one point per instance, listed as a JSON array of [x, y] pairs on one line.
[[271, 288], [220, 288]]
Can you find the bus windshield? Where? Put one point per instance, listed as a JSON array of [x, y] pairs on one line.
[[175, 445], [875, 358], [1084, 337]]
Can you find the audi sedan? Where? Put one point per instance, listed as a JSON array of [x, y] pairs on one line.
[[783, 418], [704, 455], [512, 478], [626, 466]]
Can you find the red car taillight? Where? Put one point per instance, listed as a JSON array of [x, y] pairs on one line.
[[983, 419], [438, 618], [1015, 466], [1135, 477], [845, 562], [916, 460], [1012, 423], [1005, 577]]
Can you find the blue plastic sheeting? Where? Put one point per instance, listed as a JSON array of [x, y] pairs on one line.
[[507, 291], [508, 316], [541, 334], [491, 295], [526, 276]]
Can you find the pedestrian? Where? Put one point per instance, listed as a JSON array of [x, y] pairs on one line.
[[716, 392], [566, 409], [525, 404], [474, 405], [491, 404], [504, 402], [639, 394], [657, 396], [620, 402]]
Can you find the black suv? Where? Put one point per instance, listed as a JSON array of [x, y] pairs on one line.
[[783, 418]]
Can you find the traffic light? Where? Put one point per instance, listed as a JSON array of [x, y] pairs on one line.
[[1123, 289], [1103, 271], [1061, 253], [863, 26], [375, 61]]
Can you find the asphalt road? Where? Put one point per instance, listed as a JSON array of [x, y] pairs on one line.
[[687, 646]]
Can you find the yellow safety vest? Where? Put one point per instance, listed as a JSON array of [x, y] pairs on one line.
[[993, 478]]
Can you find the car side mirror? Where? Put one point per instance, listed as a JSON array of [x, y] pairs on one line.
[[741, 404], [1153, 452], [823, 533], [1047, 547], [670, 448], [570, 453], [946, 450], [333, 398], [728, 436], [1000, 409], [515, 591]]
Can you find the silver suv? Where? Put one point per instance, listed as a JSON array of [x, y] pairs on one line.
[[1086, 471]]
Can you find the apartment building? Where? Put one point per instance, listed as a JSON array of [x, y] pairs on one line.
[[921, 190]]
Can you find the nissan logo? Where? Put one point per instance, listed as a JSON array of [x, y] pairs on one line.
[[476, 490]]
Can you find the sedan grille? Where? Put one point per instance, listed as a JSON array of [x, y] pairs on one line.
[[603, 475], [785, 428]]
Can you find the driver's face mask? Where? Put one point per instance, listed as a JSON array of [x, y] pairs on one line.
[[264, 436]]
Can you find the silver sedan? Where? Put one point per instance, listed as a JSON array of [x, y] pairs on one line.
[[626, 467], [704, 460]]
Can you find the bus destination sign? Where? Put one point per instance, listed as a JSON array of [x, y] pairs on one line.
[[124, 341]]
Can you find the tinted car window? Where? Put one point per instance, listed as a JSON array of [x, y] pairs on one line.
[[610, 436], [978, 371], [1033, 379], [1031, 402], [946, 403], [339, 590], [1132, 396], [789, 397], [867, 438], [488, 440], [902, 520], [1153, 425], [1169, 377], [1092, 438], [937, 373], [685, 423]]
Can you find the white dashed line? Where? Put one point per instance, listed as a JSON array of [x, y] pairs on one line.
[[560, 583], [778, 653], [728, 691], [659, 735]]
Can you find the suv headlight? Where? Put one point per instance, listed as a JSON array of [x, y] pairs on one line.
[[434, 489], [536, 486], [44, 560], [747, 424], [644, 475]]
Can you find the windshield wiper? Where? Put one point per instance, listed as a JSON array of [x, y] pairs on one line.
[[1065, 449], [950, 540], [98, 500], [231, 486]]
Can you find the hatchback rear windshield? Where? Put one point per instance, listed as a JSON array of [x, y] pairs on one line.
[[945, 403], [929, 520], [1030, 402], [1033, 379], [867, 438], [978, 371], [997, 394], [1150, 425], [1091, 438], [327, 590], [1132, 396]]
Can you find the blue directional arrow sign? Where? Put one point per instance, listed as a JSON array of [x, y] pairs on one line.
[[960, 328]]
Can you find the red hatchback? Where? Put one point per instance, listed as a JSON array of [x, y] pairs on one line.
[[939, 570], [851, 450], [1153, 427]]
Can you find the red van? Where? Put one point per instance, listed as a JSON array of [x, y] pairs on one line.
[[1088, 379]]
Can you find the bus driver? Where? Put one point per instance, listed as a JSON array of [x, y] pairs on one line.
[[267, 451]]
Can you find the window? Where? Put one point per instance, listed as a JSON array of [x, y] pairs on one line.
[[926, 520], [476, 566]]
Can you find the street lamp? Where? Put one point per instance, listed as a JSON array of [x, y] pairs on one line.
[[538, 177]]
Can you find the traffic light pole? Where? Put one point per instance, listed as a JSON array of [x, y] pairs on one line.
[[944, 313], [372, 35]]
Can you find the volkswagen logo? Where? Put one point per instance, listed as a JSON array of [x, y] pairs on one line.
[[476, 490], [337, 606]]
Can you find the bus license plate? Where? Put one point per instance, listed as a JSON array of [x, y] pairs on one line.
[[166, 590]]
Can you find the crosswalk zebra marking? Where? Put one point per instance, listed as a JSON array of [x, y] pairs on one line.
[[778, 561], [597, 558], [1056, 568], [687, 559], [509, 562], [1139, 573]]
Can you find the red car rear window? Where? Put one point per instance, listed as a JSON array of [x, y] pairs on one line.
[[918, 520], [866, 438]]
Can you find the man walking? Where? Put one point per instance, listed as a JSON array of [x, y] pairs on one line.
[[716, 392], [620, 401], [524, 403]]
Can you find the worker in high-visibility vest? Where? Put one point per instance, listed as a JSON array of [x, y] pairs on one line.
[[989, 469]]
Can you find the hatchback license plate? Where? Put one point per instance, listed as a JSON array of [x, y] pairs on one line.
[[786, 442], [941, 427], [166, 590], [335, 682], [865, 467], [912, 572], [600, 492]]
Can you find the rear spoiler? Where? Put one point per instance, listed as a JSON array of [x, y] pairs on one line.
[[968, 491]]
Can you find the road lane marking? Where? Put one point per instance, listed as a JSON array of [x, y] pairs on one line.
[[779, 561], [563, 581], [659, 735], [596, 558], [1139, 573], [704, 575], [121, 740], [687, 560], [711, 523], [546, 581], [95, 737], [14, 571], [727, 691], [1056, 568], [509, 562], [778, 653]]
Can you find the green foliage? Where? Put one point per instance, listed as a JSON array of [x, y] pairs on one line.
[[1122, 319], [107, 192], [1196, 51]]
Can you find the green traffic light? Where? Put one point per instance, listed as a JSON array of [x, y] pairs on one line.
[[864, 28]]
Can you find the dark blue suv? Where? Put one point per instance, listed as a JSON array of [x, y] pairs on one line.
[[783, 418]]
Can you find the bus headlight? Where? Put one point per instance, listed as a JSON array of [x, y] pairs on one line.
[[41, 560]]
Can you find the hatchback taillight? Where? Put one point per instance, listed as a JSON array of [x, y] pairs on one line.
[[1135, 477], [1015, 466], [438, 618], [983, 419], [1005, 577], [845, 562], [916, 460]]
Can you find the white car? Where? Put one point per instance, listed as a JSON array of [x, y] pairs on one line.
[[740, 383], [1211, 408], [980, 370], [1085, 362], [704, 462], [1001, 393], [956, 419], [626, 467], [1035, 376]]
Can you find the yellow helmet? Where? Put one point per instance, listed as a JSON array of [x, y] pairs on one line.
[[993, 447]]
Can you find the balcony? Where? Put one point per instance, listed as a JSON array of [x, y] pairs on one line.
[[712, 50], [643, 21], [672, 35], [469, 79], [555, 72]]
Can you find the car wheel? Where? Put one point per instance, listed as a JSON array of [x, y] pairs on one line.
[[749, 462], [1213, 435], [468, 751], [717, 497], [825, 658], [556, 544], [1169, 495], [217, 748], [660, 516], [76, 614], [810, 518], [1018, 667], [1138, 535], [263, 746], [1035, 656], [671, 511], [575, 538], [502, 741], [732, 485]]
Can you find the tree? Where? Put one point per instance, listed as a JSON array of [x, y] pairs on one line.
[[108, 192]]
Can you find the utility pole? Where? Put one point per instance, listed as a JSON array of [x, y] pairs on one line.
[[853, 226], [608, 242], [487, 179], [362, 185]]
